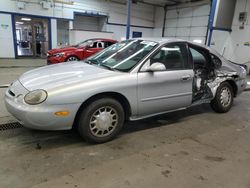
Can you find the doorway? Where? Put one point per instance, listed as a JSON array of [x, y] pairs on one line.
[[32, 36]]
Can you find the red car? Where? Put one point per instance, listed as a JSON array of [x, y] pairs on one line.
[[78, 52]]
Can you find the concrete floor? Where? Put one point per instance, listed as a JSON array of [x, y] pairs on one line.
[[192, 148]]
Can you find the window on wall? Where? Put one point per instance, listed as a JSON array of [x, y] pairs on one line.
[[62, 32]]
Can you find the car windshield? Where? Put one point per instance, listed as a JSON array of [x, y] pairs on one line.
[[122, 56], [84, 43]]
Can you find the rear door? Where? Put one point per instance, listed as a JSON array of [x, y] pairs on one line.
[[170, 89]]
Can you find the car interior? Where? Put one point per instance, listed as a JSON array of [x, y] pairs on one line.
[[203, 72]]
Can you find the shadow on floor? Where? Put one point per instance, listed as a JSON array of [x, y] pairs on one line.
[[55, 139]]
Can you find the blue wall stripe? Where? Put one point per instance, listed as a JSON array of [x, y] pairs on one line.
[[50, 33], [128, 19], [138, 26], [222, 29], [211, 21], [14, 34]]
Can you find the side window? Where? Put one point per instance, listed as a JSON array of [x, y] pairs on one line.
[[100, 44], [93, 45], [107, 44], [174, 56], [199, 58], [216, 61]]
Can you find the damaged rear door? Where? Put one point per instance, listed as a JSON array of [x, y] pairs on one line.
[[203, 72]]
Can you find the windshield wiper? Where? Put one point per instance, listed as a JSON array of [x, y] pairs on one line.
[[106, 66], [88, 61], [96, 62]]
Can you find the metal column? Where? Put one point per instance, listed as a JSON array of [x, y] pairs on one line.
[[128, 19], [211, 21]]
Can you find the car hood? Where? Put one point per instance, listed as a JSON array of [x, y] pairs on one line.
[[52, 76], [64, 49]]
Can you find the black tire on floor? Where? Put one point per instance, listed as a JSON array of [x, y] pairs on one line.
[[106, 114], [72, 58], [218, 104]]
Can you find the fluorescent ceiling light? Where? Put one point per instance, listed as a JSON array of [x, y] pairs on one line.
[[26, 19], [19, 22], [197, 41]]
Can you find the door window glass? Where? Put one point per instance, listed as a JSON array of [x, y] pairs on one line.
[[174, 56], [199, 59]]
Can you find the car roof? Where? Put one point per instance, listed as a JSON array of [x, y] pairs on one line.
[[104, 39], [163, 40]]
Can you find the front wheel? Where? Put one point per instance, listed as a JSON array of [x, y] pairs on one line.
[[101, 120], [223, 100], [72, 58]]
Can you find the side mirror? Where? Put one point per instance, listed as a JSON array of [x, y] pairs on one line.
[[156, 67]]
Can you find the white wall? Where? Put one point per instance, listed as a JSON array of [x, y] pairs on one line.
[[188, 21], [76, 36], [232, 44], [120, 31], [158, 23], [6, 37], [141, 15]]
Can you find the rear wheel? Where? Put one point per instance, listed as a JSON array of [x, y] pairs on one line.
[[223, 100], [72, 58], [101, 120]]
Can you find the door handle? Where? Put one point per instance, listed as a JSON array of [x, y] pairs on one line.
[[186, 77]]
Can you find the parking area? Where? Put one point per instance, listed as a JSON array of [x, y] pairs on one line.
[[124, 94], [190, 148]]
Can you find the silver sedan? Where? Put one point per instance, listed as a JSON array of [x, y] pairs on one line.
[[130, 80]]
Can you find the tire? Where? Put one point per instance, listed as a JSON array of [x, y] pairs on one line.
[[72, 58], [223, 100], [101, 120]]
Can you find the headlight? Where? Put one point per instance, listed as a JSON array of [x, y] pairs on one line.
[[36, 97], [59, 54]]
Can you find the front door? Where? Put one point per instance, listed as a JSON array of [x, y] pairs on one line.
[[166, 90], [94, 48]]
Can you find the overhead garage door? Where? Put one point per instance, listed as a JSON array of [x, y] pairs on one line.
[[90, 23], [188, 23]]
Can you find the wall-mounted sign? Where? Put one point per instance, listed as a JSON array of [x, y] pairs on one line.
[[4, 26], [246, 43], [136, 34]]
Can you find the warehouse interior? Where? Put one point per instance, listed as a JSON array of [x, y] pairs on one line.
[[195, 147]]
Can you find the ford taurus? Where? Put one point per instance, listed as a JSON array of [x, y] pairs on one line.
[[130, 80]]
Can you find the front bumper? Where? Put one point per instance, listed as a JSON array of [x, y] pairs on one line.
[[55, 60], [241, 85], [41, 116]]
